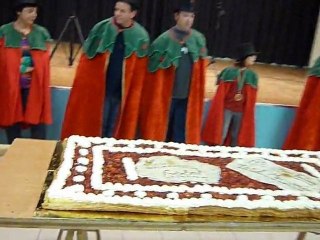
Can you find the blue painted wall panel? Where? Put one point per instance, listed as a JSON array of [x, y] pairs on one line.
[[60, 98], [272, 121], [272, 124]]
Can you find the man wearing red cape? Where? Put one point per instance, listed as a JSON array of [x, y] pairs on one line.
[[305, 131], [172, 102], [105, 96]]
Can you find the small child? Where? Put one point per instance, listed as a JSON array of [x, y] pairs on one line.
[[230, 119]]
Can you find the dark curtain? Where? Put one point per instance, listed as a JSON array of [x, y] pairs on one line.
[[282, 30]]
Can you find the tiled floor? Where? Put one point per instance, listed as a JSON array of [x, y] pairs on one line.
[[49, 234]]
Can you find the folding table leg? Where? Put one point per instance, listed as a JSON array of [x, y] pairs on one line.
[[81, 234], [302, 236]]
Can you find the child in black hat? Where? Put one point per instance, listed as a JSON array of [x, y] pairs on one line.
[[24, 47], [184, 6], [231, 116]]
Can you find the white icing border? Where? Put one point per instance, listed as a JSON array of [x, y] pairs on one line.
[[130, 169], [267, 200]]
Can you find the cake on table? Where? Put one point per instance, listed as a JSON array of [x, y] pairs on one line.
[[105, 174]]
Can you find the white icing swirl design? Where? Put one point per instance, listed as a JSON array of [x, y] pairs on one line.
[[84, 152], [140, 194], [130, 169], [108, 193], [81, 169], [311, 170], [173, 195], [206, 196], [83, 161], [78, 179]]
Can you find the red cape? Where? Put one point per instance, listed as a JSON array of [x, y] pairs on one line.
[[305, 131], [38, 109], [212, 130], [84, 113], [156, 102]]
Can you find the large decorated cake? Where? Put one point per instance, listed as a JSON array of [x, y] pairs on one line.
[[103, 174]]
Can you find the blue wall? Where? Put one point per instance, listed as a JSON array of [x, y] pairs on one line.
[[59, 102], [59, 98], [272, 124], [272, 121]]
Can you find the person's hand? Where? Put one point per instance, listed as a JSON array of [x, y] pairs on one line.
[[29, 69], [26, 62]]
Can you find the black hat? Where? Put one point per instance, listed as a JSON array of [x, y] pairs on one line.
[[246, 50], [184, 6], [20, 4], [135, 4]]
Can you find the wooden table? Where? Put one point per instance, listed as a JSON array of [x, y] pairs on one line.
[[3, 149], [26, 166]]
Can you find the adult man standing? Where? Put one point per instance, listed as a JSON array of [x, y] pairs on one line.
[[305, 131], [172, 101], [105, 97]]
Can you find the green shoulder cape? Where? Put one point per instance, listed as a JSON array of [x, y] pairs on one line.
[[103, 35], [229, 74], [37, 38], [165, 51], [315, 70]]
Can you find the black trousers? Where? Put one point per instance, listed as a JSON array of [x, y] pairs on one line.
[[14, 131], [110, 114], [177, 121]]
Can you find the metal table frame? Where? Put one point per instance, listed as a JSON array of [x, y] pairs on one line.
[[82, 226]]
